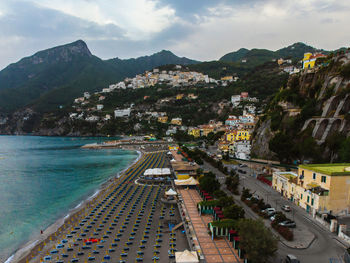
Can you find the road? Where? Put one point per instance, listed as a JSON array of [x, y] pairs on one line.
[[321, 250]]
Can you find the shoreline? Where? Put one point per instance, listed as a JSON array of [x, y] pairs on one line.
[[21, 254]]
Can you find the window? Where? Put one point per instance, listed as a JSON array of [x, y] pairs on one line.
[[314, 176], [323, 179], [312, 201], [308, 199], [301, 197]]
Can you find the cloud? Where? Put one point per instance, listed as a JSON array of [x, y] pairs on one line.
[[139, 18], [198, 29]]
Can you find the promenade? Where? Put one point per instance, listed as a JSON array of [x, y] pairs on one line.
[[217, 250], [124, 223]]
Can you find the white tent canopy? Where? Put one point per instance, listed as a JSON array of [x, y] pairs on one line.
[[189, 181], [170, 192], [186, 257], [157, 172]]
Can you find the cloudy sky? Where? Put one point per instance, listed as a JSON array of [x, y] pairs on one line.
[[198, 29]]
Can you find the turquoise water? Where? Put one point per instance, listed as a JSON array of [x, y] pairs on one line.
[[41, 178]]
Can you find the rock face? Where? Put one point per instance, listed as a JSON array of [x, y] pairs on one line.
[[314, 105], [260, 143]]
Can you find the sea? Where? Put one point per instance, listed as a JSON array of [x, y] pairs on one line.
[[43, 178]]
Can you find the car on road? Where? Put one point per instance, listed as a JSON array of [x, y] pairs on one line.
[[288, 223], [269, 211], [291, 259], [242, 165], [272, 218], [254, 196], [286, 208]]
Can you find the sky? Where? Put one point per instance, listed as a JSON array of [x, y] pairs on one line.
[[198, 29]]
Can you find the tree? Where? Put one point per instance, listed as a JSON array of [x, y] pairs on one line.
[[257, 240], [226, 201], [334, 142], [344, 152], [281, 144], [209, 184], [234, 212]]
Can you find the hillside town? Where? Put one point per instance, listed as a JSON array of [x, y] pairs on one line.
[[236, 130]]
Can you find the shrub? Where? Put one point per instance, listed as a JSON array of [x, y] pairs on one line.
[[285, 232]]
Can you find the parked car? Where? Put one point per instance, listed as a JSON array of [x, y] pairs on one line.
[[254, 196], [291, 259], [269, 211], [286, 208], [272, 218], [242, 165], [288, 223]]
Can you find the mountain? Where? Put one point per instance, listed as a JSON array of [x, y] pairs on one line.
[[235, 56], [256, 57], [55, 76]]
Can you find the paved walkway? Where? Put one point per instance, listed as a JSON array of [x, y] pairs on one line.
[[217, 250]]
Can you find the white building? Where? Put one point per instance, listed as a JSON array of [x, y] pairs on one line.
[[249, 109], [79, 100], [92, 118], [242, 150], [235, 100], [108, 117], [73, 115], [87, 95], [99, 106], [122, 112]]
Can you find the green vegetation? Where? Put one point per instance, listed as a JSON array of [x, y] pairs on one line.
[[329, 169], [209, 183], [256, 57], [257, 240], [65, 72], [233, 212]]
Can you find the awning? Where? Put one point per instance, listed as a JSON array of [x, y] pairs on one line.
[[186, 257], [170, 192], [189, 181]]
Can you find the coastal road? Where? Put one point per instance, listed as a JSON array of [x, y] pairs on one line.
[[325, 245]]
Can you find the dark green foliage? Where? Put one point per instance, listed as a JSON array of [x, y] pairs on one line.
[[344, 151], [257, 57], [209, 184], [334, 143], [226, 201], [281, 144], [232, 183], [345, 71], [257, 240], [219, 193], [233, 212], [54, 77]]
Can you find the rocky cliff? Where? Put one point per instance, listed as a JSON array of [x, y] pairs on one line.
[[309, 118]]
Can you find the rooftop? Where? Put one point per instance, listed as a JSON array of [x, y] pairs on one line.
[[328, 168]]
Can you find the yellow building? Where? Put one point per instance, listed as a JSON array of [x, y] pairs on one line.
[[243, 135], [309, 60], [179, 96], [196, 132], [223, 146], [176, 121], [231, 136], [322, 188], [228, 78], [206, 129], [163, 119], [282, 181]]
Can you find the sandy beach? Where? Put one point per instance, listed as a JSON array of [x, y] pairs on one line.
[[124, 221]]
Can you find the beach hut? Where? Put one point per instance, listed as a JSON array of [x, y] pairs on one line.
[[186, 257]]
